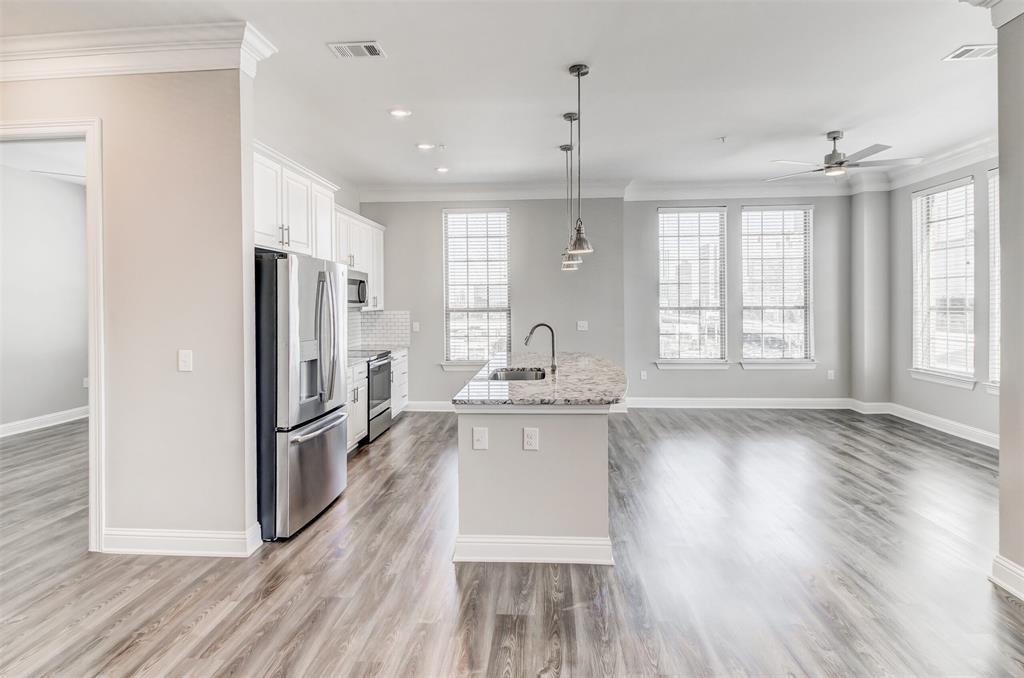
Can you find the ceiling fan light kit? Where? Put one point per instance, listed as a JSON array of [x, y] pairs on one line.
[[836, 163]]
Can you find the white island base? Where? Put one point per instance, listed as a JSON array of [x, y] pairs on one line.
[[548, 505]]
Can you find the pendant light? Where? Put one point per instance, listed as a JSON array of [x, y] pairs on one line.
[[579, 244], [570, 262]]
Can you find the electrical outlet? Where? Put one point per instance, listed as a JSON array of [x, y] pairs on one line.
[[643, 375], [531, 438], [184, 360], [479, 437], [582, 326], [415, 326], [85, 382], [830, 375]]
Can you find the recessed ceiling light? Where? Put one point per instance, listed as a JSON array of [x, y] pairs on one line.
[[426, 147], [441, 170], [399, 113]]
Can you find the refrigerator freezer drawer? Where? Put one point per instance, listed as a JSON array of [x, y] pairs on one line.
[[311, 470]]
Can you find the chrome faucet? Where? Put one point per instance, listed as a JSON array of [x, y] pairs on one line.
[[550, 329]]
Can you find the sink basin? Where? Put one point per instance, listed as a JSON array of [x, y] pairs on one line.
[[518, 374]]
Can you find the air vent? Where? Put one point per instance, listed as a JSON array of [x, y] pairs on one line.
[[971, 53], [358, 49]]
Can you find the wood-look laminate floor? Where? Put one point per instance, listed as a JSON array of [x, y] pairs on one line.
[[747, 543]]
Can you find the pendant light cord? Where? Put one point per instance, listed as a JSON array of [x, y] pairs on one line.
[[579, 149]]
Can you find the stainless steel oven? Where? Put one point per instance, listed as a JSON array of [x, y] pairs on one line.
[[356, 288], [379, 394]]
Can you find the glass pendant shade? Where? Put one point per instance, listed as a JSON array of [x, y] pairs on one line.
[[570, 264], [579, 243]]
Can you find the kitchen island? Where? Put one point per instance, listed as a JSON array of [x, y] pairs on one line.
[[533, 461]]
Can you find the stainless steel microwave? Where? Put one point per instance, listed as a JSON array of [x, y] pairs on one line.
[[356, 288]]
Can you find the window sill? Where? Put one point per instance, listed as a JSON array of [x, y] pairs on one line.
[[779, 364], [462, 365], [667, 364], [992, 387], [945, 378]]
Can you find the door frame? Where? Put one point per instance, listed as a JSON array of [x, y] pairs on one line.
[[88, 129]]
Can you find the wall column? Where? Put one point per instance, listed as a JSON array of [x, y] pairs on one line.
[[870, 363]]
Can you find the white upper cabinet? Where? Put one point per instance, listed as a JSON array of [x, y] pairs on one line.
[[298, 205], [293, 208], [360, 245], [376, 272], [266, 189], [342, 252], [323, 223]]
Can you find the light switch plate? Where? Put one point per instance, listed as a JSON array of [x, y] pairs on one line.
[[479, 437], [830, 375], [582, 325], [85, 382], [184, 360], [531, 438], [643, 375], [415, 326]]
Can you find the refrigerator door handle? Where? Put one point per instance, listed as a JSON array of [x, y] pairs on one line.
[[327, 427], [334, 334], [318, 324]]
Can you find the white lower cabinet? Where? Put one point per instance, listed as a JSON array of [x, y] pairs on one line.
[[358, 405], [399, 381]]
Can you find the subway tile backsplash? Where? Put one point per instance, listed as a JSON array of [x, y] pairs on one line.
[[382, 329]]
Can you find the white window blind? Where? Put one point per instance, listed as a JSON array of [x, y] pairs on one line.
[[777, 283], [943, 289], [691, 263], [477, 315], [994, 268]]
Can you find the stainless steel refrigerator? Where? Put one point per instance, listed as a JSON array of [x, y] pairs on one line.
[[300, 389]]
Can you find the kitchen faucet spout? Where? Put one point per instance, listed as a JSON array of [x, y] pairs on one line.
[[550, 329]]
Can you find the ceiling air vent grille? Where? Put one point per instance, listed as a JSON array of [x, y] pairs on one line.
[[357, 49], [971, 53]]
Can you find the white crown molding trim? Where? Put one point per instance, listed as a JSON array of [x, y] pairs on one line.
[[430, 406], [1008, 576], [950, 161], [123, 51], [182, 542], [526, 549], [43, 421], [646, 192], [264, 149], [482, 192]]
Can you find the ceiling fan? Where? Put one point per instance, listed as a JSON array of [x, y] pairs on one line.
[[836, 163]]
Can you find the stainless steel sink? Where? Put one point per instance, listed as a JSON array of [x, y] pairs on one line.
[[518, 374]]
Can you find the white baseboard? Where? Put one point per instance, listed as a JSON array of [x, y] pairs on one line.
[[43, 421], [430, 406], [972, 433], [182, 542], [1008, 576], [742, 403], [484, 548]]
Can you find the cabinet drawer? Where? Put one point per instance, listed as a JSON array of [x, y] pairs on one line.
[[359, 372]]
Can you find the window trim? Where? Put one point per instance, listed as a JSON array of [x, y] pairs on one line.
[[473, 365], [809, 362], [965, 380], [699, 363]]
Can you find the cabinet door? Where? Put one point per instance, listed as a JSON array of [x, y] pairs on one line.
[[297, 208], [359, 240], [323, 223], [358, 413], [342, 250], [266, 190], [376, 272]]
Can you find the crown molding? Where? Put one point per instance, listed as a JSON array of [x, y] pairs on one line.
[[638, 191], [1003, 11], [476, 192], [954, 159], [124, 51]]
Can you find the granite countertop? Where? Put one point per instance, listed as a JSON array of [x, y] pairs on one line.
[[581, 379]]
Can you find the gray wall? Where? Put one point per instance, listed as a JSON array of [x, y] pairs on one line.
[[1011, 194], [43, 296], [831, 307], [541, 292], [870, 354], [975, 408]]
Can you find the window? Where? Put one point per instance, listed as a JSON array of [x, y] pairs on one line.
[[477, 316], [777, 283], [943, 242], [691, 246], [994, 297]]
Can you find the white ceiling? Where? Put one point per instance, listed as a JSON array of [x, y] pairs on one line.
[[61, 159], [488, 79]]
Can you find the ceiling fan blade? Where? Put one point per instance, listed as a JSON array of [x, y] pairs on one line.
[[865, 152], [895, 162], [796, 162], [794, 174]]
